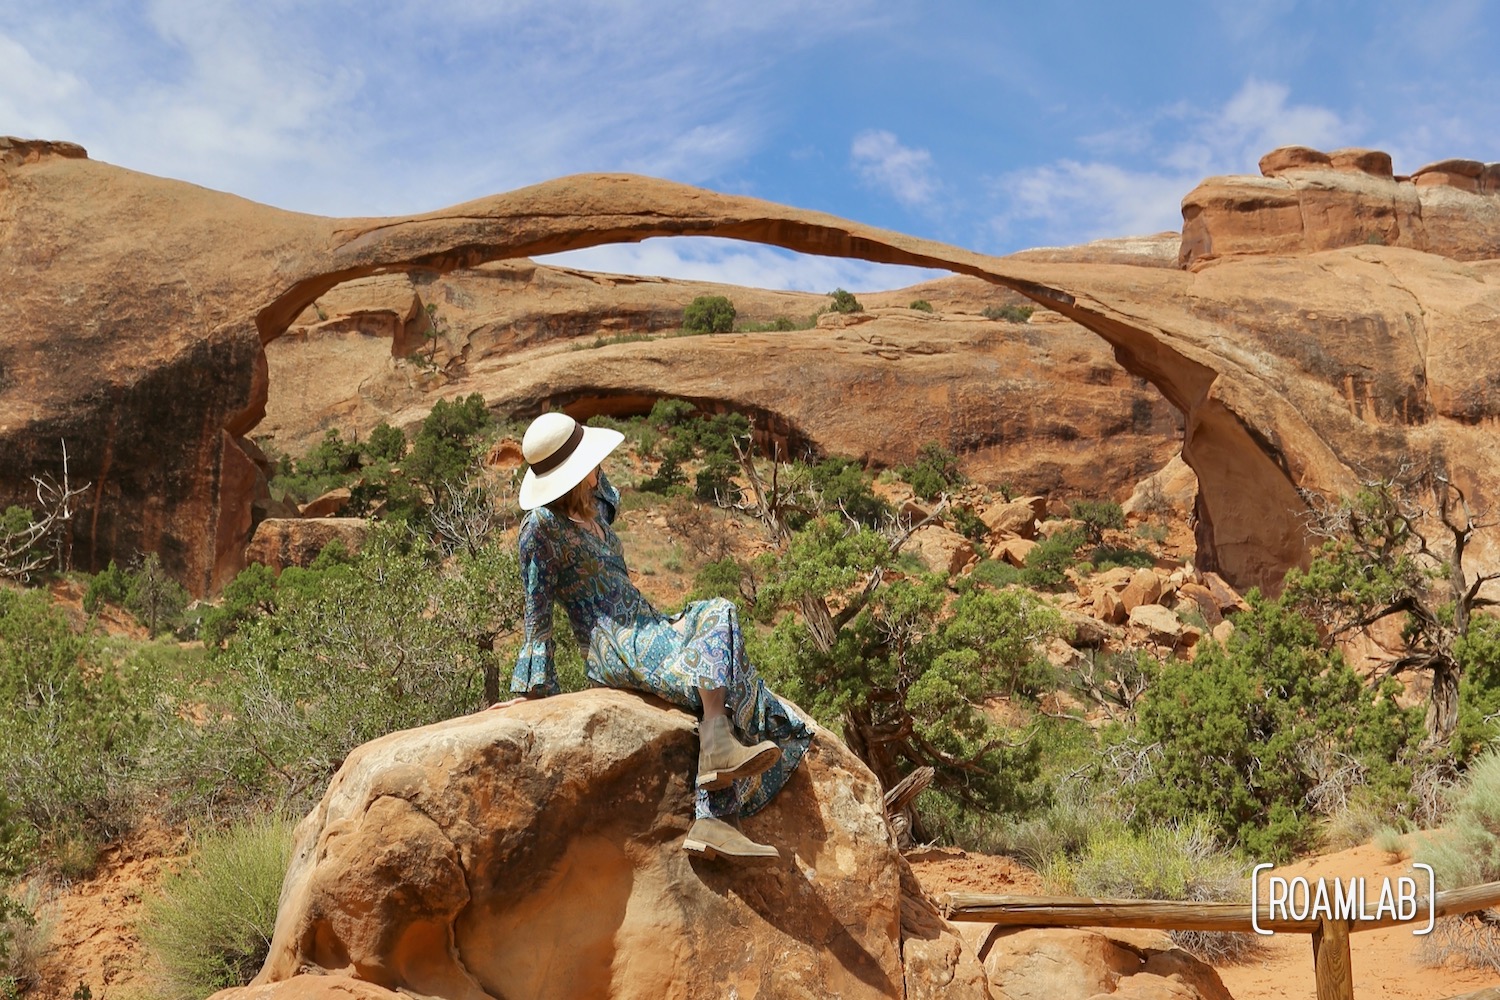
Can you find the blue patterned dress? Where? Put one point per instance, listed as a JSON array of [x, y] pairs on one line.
[[631, 645]]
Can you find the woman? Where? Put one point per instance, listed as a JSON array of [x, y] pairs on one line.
[[694, 659]]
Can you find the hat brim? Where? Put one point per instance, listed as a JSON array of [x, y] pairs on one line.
[[596, 444]]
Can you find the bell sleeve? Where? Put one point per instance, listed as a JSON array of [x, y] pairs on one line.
[[535, 675]]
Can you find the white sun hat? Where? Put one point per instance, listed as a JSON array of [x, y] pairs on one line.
[[561, 452]]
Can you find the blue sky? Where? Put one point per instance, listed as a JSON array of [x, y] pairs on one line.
[[993, 125]]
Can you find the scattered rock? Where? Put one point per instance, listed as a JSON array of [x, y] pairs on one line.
[[1108, 607], [941, 550], [1225, 596], [1168, 492], [1089, 632], [1203, 599], [1222, 631]]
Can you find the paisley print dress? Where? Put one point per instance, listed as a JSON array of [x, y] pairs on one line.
[[629, 644]]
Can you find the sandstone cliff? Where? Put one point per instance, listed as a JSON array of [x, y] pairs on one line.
[[146, 355]]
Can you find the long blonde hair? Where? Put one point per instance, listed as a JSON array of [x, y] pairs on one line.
[[577, 503]]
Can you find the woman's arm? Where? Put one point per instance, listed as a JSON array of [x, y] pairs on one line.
[[534, 675], [607, 497]]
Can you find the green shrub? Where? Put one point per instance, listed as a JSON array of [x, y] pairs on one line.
[[1180, 862], [921, 305], [108, 586], [780, 324], [386, 444], [1047, 564], [1010, 314], [1097, 515], [709, 314], [1241, 728], [209, 925], [69, 731], [249, 595], [668, 413], [969, 524], [156, 600], [844, 302], [1109, 556], [995, 573], [396, 637], [26, 931], [719, 579], [934, 472], [1478, 654], [843, 483]]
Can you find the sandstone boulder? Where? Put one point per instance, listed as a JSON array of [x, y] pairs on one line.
[[330, 504], [1013, 550], [1107, 606], [1167, 492], [1225, 596], [1144, 588], [1203, 600], [536, 851], [941, 550], [279, 543], [1089, 632], [1160, 625], [1018, 517], [1057, 963]]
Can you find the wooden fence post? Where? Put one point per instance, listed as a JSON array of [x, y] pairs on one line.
[[1332, 967]]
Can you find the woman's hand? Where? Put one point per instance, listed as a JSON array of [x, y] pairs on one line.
[[507, 704]]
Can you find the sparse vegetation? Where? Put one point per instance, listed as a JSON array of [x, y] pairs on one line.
[[1008, 313], [1175, 861], [208, 927], [921, 305]]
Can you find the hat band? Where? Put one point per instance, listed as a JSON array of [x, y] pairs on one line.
[[562, 454]]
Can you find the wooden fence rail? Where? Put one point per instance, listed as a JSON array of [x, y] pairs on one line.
[[1330, 937]]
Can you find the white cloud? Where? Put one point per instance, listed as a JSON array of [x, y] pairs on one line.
[[393, 106], [706, 258], [905, 173], [1143, 170]]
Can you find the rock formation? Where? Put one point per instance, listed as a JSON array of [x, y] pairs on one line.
[[1309, 200], [1047, 408], [146, 355], [536, 852]]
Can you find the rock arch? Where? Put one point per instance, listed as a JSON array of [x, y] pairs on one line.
[[146, 355]]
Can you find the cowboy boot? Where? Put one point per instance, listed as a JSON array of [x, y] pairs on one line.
[[722, 758], [712, 838]]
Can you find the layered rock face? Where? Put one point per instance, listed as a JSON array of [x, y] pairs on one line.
[[536, 852], [144, 352], [1310, 200], [1045, 409]]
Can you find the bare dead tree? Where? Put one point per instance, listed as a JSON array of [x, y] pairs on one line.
[[23, 545], [1392, 555]]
